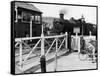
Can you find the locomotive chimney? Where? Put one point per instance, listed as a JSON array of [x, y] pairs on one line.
[[61, 16]]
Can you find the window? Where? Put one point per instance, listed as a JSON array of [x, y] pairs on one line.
[[26, 16], [37, 19], [19, 16]]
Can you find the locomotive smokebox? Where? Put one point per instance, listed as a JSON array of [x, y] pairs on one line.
[[61, 16]]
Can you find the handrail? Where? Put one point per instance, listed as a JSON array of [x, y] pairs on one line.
[[30, 38], [26, 38]]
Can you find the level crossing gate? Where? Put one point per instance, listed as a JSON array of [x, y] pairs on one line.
[[75, 43], [27, 56]]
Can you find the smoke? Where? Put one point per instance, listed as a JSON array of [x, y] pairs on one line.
[[63, 11]]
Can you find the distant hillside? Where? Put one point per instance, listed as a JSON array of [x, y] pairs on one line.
[[48, 20]]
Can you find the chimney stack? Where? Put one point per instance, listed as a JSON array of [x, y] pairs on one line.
[[61, 16]]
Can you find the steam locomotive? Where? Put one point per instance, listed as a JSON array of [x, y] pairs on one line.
[[61, 26]]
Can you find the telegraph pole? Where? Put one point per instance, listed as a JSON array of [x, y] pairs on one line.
[[83, 41], [82, 24]]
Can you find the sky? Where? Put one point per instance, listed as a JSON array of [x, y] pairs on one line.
[[50, 10]]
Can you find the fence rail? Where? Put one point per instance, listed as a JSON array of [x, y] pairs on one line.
[[32, 38]]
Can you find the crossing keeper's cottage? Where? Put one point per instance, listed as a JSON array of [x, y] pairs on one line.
[[28, 20]]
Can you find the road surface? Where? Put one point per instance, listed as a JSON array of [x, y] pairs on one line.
[[70, 62], [65, 62]]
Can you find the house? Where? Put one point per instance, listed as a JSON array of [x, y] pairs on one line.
[[28, 20]]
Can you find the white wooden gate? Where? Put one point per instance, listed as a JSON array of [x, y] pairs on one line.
[[23, 51], [75, 43]]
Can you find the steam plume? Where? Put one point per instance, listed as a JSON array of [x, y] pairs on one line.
[[63, 11]]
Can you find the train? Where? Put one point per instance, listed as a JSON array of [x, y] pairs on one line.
[[62, 25]]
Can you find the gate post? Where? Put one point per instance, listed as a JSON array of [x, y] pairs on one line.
[[16, 13], [55, 67], [66, 41], [43, 64], [79, 47], [69, 42], [42, 59], [20, 54]]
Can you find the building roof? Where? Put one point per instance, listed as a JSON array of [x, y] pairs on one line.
[[27, 6]]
